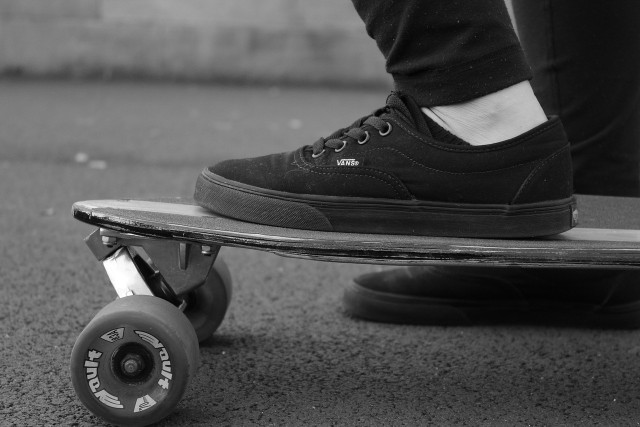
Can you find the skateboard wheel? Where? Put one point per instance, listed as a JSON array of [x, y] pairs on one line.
[[133, 362], [207, 304]]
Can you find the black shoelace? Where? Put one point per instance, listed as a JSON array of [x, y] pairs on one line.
[[339, 139]]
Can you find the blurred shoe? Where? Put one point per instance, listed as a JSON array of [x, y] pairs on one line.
[[491, 295], [398, 172]]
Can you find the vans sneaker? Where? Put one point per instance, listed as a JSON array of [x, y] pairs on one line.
[[398, 172]]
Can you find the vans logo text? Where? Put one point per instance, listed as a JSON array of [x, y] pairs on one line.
[[348, 162]]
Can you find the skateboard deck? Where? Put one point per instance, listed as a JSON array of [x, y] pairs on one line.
[[607, 235]]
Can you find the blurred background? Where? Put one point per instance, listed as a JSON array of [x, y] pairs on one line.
[[266, 41]]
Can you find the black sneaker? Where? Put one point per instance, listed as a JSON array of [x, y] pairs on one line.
[[398, 172], [492, 295]]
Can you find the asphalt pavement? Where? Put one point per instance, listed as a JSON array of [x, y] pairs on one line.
[[286, 354]]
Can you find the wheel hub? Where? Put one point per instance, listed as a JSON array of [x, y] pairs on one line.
[[132, 365]]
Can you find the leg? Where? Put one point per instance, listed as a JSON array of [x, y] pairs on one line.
[[412, 167], [586, 61], [446, 52], [461, 61]]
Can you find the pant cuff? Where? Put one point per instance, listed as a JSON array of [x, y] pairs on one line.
[[466, 81]]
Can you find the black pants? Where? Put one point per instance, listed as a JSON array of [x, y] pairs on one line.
[[585, 58]]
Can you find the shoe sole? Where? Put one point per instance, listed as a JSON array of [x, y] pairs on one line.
[[367, 304], [382, 216]]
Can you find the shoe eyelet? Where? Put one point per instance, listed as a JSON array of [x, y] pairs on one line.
[[315, 156], [387, 132], [366, 138], [344, 144]]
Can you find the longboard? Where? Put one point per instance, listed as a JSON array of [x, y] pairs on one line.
[[608, 235], [133, 361]]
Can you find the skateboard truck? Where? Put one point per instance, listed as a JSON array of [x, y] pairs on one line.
[[140, 265]]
